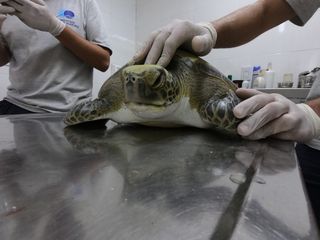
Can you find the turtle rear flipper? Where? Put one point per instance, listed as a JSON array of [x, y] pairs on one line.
[[219, 112]]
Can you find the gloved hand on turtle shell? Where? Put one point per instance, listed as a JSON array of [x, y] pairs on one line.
[[162, 44], [36, 14], [274, 115]]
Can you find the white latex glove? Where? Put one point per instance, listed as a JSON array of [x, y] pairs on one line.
[[163, 43], [274, 115], [36, 14], [4, 9]]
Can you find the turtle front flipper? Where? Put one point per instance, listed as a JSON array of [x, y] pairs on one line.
[[110, 100], [88, 111], [219, 112]]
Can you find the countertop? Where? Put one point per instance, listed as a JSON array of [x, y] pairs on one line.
[[142, 183]]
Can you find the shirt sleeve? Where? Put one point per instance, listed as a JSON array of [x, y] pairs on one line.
[[304, 10], [95, 28]]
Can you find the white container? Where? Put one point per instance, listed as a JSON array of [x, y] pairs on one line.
[[269, 76], [246, 84], [287, 81], [246, 74], [259, 82], [255, 73]]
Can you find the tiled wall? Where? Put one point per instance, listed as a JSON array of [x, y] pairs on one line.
[[290, 48]]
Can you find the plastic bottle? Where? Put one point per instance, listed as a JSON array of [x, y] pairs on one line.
[[259, 82], [255, 74], [269, 76], [246, 76], [246, 84]]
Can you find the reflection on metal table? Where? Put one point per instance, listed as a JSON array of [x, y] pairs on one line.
[[143, 183]]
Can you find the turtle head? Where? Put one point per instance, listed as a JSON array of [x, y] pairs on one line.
[[149, 85]]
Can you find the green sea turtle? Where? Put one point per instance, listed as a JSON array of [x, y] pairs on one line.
[[188, 92]]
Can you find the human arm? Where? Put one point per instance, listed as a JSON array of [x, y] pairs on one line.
[[267, 114], [91, 53], [315, 105], [235, 29], [4, 51], [247, 23], [36, 14], [274, 115]]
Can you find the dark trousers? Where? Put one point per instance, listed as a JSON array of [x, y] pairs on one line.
[[9, 108], [309, 160]]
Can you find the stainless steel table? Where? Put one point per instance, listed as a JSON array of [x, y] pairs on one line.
[[142, 183]]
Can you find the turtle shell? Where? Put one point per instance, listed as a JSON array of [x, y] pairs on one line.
[[189, 91]]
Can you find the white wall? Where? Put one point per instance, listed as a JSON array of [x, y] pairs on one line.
[[129, 22], [290, 48], [119, 17]]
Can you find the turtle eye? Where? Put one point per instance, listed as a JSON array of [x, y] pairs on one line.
[[158, 82]]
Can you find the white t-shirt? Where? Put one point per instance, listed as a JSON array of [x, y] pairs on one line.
[[44, 75]]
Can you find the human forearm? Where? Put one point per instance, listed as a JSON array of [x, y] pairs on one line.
[[313, 117], [90, 53], [232, 30], [315, 105], [249, 22], [4, 52], [4, 57]]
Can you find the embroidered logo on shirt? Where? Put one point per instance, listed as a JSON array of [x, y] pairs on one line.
[[67, 17], [66, 14]]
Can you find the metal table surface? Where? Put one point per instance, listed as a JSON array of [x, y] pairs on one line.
[[143, 183]]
